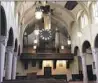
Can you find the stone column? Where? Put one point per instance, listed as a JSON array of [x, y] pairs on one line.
[[2, 57], [95, 55], [9, 57], [85, 77], [57, 40], [14, 65]]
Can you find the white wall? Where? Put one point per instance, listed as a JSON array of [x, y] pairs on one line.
[[59, 69], [88, 33], [74, 66], [11, 18]]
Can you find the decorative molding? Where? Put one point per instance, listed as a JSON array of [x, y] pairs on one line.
[[9, 49], [3, 39], [95, 50]]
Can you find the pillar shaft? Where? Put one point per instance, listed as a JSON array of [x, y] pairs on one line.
[[14, 65], [95, 55], [9, 58], [2, 58], [85, 77]]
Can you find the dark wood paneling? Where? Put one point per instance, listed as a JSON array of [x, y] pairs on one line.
[[47, 56]]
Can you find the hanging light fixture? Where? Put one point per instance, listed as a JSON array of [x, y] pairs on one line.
[[79, 34], [62, 47], [34, 47], [38, 13], [35, 41], [36, 32], [69, 42]]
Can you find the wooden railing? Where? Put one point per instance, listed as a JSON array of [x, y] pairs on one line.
[[47, 56]]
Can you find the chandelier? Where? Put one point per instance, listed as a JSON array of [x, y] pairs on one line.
[[44, 10], [38, 13]]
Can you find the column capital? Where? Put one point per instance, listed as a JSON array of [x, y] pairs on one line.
[[95, 50], [2, 39], [82, 54], [9, 49]]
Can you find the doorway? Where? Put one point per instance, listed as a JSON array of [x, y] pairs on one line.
[[47, 72], [90, 72]]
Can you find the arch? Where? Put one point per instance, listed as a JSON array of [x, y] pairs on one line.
[[50, 3], [79, 14], [90, 8], [72, 24], [76, 50], [86, 45], [16, 46], [3, 22], [84, 20], [89, 4], [19, 50], [96, 41], [79, 61], [10, 38]]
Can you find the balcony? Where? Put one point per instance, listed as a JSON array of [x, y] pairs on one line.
[[47, 56]]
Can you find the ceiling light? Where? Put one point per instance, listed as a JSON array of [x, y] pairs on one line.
[[43, 38], [69, 42], [34, 47], [38, 14], [79, 34], [62, 47], [35, 41], [36, 32]]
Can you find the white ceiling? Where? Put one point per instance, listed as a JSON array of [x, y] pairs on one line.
[[63, 16]]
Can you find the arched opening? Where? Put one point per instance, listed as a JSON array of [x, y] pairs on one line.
[[77, 64], [10, 38], [18, 61], [76, 49], [96, 41], [86, 48], [9, 56], [16, 44], [3, 22], [19, 50]]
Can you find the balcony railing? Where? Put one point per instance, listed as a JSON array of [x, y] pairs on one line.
[[47, 56]]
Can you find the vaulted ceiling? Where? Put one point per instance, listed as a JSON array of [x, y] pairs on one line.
[[63, 13]]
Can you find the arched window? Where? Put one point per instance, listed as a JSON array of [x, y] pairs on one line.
[[95, 10], [83, 21]]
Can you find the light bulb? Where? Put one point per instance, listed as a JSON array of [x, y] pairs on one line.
[[34, 47], [69, 42], [35, 41], [79, 34], [38, 14], [36, 32], [62, 47]]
